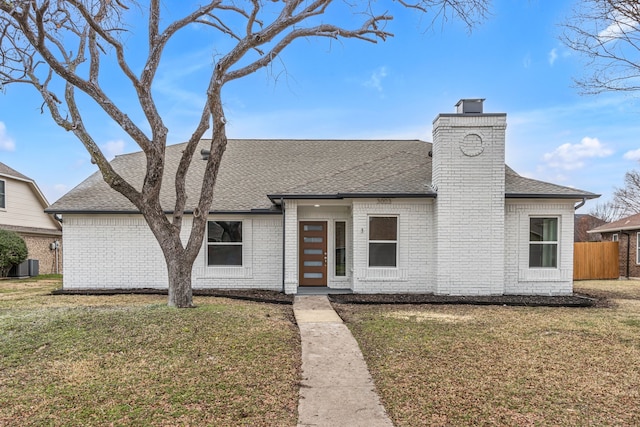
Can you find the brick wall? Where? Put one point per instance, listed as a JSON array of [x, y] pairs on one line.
[[634, 266], [468, 174], [119, 251], [519, 278], [414, 270], [39, 248]]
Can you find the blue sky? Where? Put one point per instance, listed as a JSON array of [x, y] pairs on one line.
[[353, 89]]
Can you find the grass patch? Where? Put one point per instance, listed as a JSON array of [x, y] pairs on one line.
[[488, 365], [131, 360]]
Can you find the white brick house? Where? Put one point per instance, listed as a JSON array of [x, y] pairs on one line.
[[369, 216]]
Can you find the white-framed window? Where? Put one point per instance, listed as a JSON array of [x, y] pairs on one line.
[[638, 248], [383, 241], [224, 243], [3, 198], [614, 238], [543, 242]]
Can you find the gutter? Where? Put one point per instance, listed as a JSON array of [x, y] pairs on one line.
[[260, 211], [549, 196], [628, 249], [340, 196], [581, 204], [284, 234]]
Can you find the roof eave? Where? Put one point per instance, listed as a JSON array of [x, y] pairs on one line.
[[275, 198], [257, 211], [615, 229], [549, 196]]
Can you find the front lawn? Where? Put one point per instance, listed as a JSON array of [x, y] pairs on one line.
[[496, 365], [131, 360]]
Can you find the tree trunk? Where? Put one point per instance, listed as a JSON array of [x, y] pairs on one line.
[[180, 293]]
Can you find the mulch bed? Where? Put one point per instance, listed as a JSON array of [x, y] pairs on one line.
[[274, 297], [512, 300]]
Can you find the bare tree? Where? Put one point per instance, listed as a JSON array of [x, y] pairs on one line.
[[607, 34], [627, 198], [607, 212], [60, 47]]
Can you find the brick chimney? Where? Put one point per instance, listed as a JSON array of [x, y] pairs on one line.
[[468, 175]]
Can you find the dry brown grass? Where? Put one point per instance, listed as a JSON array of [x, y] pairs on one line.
[[476, 365], [131, 360]]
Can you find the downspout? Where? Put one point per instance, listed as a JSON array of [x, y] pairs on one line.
[[284, 217], [581, 204], [628, 249]]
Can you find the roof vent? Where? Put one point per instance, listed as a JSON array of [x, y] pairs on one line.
[[469, 106], [205, 154]]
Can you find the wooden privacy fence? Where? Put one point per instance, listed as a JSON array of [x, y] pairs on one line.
[[595, 260]]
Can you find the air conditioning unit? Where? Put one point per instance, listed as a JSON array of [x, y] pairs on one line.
[[20, 270], [34, 267]]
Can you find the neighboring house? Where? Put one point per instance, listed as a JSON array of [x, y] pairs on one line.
[[22, 207], [626, 231], [369, 216], [584, 223]]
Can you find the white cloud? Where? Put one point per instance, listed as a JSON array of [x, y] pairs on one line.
[[553, 55], [620, 26], [113, 148], [375, 81], [632, 154], [6, 143], [572, 156]]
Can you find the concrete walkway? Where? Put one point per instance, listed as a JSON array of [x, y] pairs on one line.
[[336, 389]]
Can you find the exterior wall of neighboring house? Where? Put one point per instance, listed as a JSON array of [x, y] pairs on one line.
[[520, 278], [23, 212], [632, 242]]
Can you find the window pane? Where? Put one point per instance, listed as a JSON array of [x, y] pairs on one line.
[[341, 255], [382, 254], [2, 205], [313, 263], [224, 255], [313, 275], [543, 255], [224, 231], [383, 228], [317, 227], [543, 230], [313, 251], [313, 239]]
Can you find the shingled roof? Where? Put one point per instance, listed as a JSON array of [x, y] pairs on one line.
[[7, 171], [627, 223], [254, 170]]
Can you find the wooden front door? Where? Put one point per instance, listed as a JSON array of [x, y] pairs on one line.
[[313, 253]]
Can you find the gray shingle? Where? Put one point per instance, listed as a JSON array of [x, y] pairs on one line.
[[253, 169], [6, 170]]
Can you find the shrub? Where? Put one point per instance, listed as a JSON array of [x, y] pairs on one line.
[[13, 251]]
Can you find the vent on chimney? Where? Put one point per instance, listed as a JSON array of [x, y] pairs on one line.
[[469, 106]]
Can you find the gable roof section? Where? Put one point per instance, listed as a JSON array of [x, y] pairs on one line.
[[628, 223], [252, 171], [7, 172], [12, 173]]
